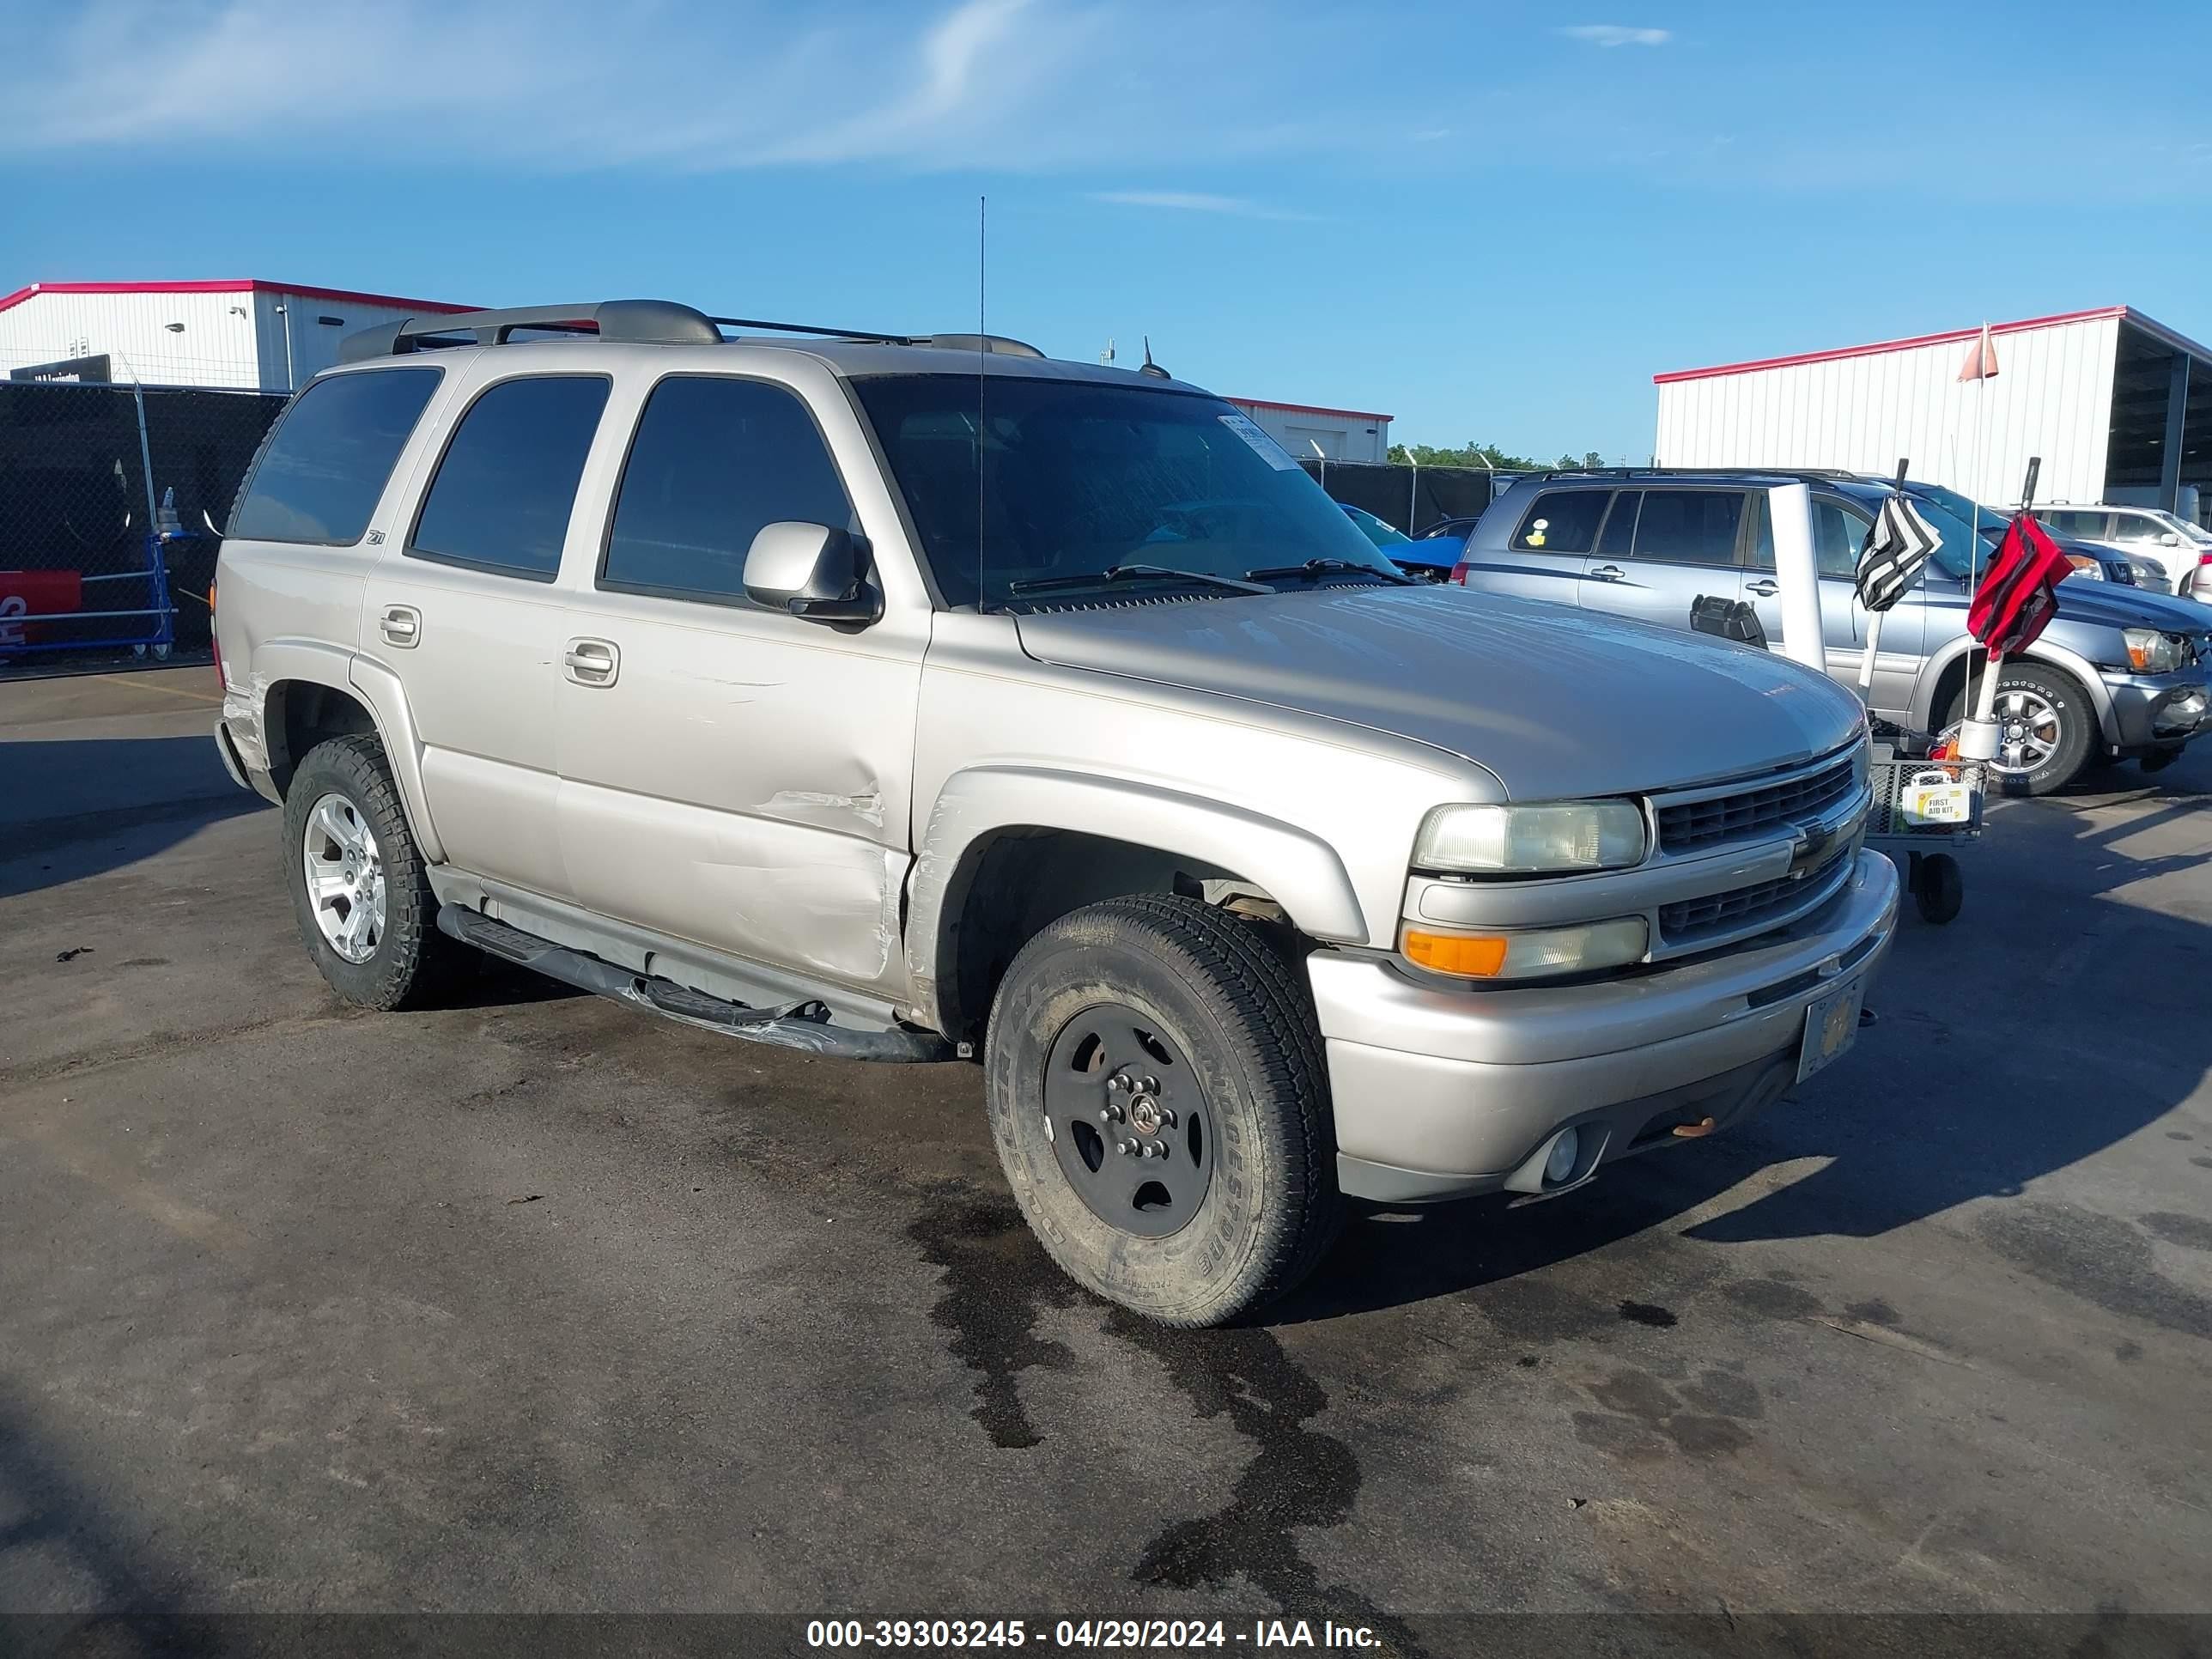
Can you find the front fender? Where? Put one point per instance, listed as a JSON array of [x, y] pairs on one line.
[[1302, 872], [1925, 715]]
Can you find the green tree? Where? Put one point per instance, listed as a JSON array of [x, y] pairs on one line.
[[1467, 454]]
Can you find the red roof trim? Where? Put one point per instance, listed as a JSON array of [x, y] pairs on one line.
[[1949, 335], [1308, 409], [233, 285]]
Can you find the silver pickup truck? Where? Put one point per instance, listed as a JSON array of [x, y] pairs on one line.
[[912, 698]]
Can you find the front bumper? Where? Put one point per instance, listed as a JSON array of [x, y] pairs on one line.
[[2156, 711], [1441, 1091]]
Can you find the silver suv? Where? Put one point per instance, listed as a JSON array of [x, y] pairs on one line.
[[902, 699], [2119, 673]]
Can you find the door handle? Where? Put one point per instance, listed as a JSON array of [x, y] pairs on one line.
[[1763, 587], [1608, 573], [401, 625], [592, 662]]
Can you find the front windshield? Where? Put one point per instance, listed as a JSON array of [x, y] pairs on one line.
[[2195, 534], [1079, 478]]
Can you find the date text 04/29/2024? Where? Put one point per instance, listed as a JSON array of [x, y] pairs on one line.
[[1125, 1635]]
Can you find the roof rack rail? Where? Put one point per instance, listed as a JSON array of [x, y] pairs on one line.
[[635, 322], [1809, 474]]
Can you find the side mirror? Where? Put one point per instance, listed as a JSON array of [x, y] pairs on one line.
[[809, 570], [2171, 538]]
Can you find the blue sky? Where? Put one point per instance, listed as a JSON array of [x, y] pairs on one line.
[[1492, 222]]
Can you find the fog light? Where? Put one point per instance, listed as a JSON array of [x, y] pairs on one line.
[[1559, 1162]]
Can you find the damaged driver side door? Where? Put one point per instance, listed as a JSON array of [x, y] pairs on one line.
[[733, 775]]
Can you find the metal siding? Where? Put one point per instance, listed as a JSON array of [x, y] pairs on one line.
[[1350, 437], [2051, 397], [230, 338]]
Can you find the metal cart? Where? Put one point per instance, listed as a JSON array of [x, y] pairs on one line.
[[1923, 807]]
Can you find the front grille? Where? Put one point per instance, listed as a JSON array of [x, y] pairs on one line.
[[1684, 826], [1743, 907]]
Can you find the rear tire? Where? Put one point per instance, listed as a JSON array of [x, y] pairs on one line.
[[1234, 1052], [402, 960]]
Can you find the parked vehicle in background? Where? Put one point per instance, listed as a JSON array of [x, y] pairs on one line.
[[1401, 549], [726, 679], [2118, 673], [2095, 561], [2180, 549]]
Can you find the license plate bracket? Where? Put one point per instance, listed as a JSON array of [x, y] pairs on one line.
[[1832, 1025]]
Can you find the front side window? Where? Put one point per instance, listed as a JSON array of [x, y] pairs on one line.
[[330, 457], [1839, 533], [2139, 527], [1013, 481], [507, 481], [1689, 526], [714, 461], [1562, 521]]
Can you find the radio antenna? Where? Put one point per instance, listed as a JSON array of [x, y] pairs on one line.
[[982, 350]]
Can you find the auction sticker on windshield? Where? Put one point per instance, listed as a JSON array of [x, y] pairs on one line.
[[1262, 445], [1832, 1024]]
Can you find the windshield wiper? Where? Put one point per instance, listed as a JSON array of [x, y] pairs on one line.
[[1314, 569], [1136, 573]]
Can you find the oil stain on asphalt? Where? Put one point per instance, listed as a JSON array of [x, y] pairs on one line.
[[997, 1281]]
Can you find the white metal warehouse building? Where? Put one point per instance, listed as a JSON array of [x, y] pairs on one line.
[[246, 333], [2118, 407], [1339, 434]]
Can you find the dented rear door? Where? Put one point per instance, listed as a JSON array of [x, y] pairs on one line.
[[733, 775]]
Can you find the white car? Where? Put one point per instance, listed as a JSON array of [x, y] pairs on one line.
[[2182, 549]]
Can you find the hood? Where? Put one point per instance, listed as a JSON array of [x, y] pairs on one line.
[[2095, 605], [1559, 703]]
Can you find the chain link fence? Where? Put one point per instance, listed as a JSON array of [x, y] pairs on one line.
[[111, 498], [1409, 498]]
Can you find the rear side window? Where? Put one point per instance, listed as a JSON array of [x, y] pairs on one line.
[[2088, 525], [1619, 534], [1689, 526], [1562, 521], [331, 456], [507, 481], [715, 460]]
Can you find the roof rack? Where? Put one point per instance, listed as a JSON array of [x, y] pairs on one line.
[[635, 322], [1808, 474]]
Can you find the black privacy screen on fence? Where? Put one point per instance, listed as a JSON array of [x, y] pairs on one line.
[[78, 519], [1406, 498]]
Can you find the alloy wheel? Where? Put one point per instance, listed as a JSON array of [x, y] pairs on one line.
[[344, 874]]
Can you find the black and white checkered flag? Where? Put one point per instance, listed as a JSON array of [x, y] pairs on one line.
[[1898, 544]]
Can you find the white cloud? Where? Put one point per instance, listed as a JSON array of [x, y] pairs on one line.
[[704, 85], [1191, 201], [1617, 35]]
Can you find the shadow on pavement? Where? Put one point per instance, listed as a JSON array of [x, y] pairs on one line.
[[75, 807]]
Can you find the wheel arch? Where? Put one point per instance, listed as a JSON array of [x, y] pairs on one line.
[[1008, 850], [303, 693], [1944, 677]]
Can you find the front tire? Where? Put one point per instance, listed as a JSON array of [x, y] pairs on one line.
[[2046, 729], [1159, 1101], [360, 889]]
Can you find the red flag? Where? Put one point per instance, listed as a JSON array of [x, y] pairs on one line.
[[1981, 362], [2017, 599]]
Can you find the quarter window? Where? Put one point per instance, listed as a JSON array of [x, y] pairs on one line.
[[329, 459], [507, 482], [1689, 526], [715, 459], [1562, 521]]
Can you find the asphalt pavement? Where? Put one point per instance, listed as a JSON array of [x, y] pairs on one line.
[[535, 1306]]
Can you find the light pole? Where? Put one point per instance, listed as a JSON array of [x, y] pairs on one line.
[[285, 311]]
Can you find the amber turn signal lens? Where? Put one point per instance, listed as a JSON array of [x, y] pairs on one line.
[[1472, 956]]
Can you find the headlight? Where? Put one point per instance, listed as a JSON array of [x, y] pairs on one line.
[[2085, 566], [2150, 652], [1591, 834], [1530, 953]]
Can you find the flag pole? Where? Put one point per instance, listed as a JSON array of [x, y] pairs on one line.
[[1874, 618], [1986, 708]]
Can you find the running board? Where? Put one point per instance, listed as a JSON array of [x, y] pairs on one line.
[[803, 1025]]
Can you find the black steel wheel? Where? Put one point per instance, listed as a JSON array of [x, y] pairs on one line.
[[1159, 1100], [1129, 1121]]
